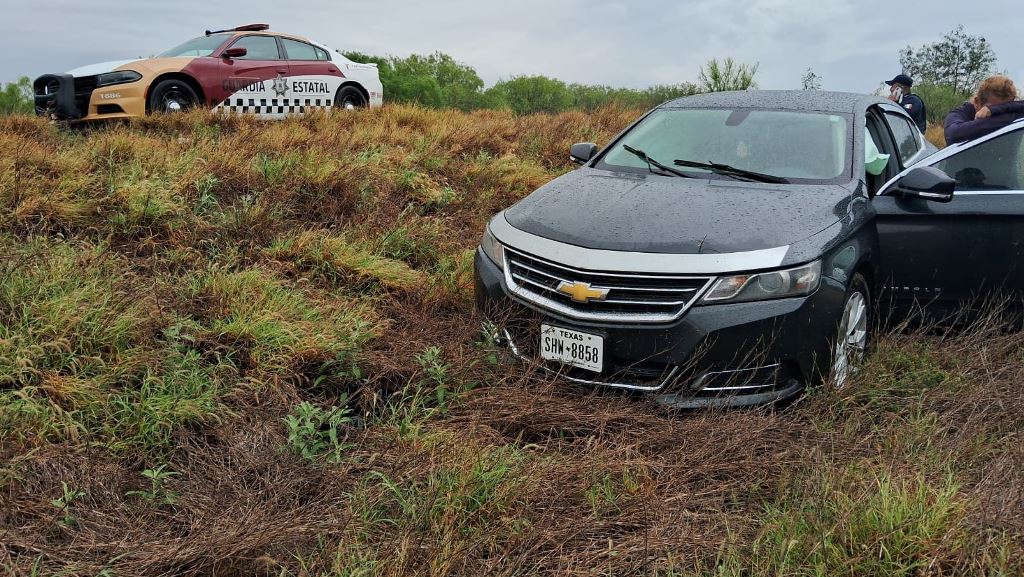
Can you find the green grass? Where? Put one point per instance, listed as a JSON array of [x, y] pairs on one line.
[[340, 260], [269, 329], [863, 520]]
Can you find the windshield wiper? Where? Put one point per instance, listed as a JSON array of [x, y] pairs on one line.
[[654, 163], [732, 171]]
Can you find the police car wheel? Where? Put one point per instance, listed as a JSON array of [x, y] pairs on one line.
[[170, 96], [349, 98]]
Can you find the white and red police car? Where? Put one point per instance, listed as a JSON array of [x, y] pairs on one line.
[[244, 70]]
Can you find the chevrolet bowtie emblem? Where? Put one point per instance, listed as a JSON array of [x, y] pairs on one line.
[[582, 292]]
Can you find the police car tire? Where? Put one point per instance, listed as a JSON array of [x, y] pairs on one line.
[[349, 97], [180, 91]]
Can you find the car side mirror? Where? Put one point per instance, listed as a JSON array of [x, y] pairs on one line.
[[235, 52], [582, 152], [926, 182]]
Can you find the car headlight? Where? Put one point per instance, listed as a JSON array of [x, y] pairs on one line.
[[799, 281], [492, 248], [119, 77]]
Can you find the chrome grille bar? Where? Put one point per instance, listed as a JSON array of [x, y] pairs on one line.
[[641, 298]]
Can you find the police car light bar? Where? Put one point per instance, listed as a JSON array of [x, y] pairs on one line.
[[246, 28]]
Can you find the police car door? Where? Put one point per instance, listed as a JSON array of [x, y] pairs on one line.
[[314, 79], [258, 81], [943, 256]]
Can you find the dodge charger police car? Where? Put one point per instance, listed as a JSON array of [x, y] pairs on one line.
[[244, 70]]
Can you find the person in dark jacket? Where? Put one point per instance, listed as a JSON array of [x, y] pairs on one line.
[[899, 92], [993, 106]]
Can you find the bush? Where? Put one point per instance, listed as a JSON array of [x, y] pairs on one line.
[[16, 97], [939, 100], [532, 94]]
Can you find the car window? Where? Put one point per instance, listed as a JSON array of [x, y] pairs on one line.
[[908, 142], [258, 47], [997, 164], [807, 146], [322, 54], [299, 50]]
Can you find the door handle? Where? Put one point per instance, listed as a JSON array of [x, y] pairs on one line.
[[332, 69], [279, 71]]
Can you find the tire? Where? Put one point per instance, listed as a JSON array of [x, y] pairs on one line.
[[853, 336], [349, 98], [171, 96]]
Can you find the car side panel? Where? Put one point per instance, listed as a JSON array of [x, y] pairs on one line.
[[366, 76], [257, 87], [314, 82], [131, 97], [944, 254]]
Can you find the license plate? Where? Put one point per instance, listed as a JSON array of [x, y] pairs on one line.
[[582, 350]]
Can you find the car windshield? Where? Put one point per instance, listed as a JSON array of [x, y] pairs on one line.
[[796, 146], [202, 46]]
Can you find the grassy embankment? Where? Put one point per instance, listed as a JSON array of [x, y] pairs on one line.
[[237, 348]]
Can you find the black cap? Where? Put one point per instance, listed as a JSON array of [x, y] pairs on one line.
[[901, 79]]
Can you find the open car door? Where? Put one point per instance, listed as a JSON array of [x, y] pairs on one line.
[[943, 259]]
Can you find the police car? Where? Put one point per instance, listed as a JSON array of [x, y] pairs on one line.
[[244, 70]]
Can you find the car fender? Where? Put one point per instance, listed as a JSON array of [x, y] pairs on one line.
[[847, 246]]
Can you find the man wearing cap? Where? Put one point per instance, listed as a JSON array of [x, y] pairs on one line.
[[899, 92]]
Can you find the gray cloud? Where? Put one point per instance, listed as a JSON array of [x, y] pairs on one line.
[[852, 45]]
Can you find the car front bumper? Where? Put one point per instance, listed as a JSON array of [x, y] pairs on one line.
[[722, 355], [63, 97]]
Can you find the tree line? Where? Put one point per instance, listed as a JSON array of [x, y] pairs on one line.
[[438, 80]]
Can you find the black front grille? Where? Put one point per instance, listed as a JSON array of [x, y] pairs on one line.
[[630, 297], [84, 86], [109, 109]]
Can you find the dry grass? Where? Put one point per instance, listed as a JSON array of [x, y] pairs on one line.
[[936, 135], [175, 289]]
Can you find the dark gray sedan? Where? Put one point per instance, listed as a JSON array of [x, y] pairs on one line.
[[728, 249]]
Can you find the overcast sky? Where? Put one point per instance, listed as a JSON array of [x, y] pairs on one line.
[[852, 45]]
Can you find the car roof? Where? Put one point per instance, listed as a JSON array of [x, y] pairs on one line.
[[809, 100], [235, 34]]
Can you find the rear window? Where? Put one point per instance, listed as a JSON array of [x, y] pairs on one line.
[[798, 146], [300, 50], [908, 137]]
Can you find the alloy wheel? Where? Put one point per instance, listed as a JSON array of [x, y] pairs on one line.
[[852, 340]]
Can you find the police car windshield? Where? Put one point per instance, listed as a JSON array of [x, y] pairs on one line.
[[202, 46]]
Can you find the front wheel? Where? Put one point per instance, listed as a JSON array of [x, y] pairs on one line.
[[853, 336], [349, 98], [170, 96]]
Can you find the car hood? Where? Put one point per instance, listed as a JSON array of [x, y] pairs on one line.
[[100, 68], [141, 65], [650, 213]]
